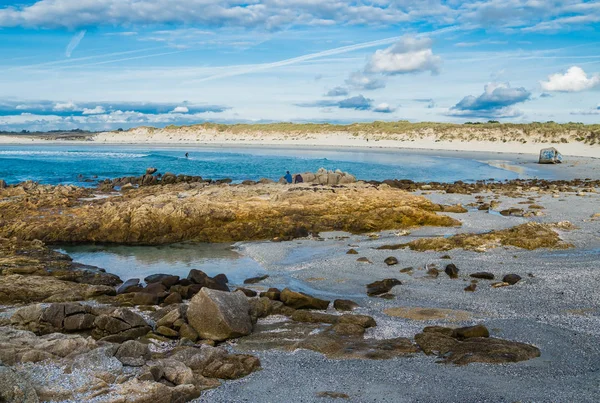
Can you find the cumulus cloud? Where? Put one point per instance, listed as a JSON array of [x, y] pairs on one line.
[[409, 55], [98, 110], [180, 109], [495, 102], [358, 102], [337, 92], [573, 80], [363, 82], [74, 42], [384, 108]]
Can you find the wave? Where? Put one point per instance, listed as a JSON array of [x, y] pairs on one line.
[[88, 154]]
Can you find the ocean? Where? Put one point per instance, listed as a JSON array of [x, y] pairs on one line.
[[83, 165]]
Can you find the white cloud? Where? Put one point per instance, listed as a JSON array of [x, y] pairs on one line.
[[180, 109], [495, 102], [384, 108], [65, 106], [409, 55], [98, 110], [74, 42], [574, 80], [363, 82]]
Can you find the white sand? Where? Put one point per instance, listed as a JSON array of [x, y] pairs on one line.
[[200, 137]]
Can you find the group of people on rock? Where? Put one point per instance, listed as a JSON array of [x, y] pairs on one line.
[[296, 179]]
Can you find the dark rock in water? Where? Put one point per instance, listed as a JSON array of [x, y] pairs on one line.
[[173, 298], [440, 341], [511, 279], [390, 261], [433, 272], [167, 280], [332, 395], [254, 280], [512, 212], [133, 353], [452, 271], [298, 300], [273, 294], [344, 305], [352, 252], [151, 171], [363, 260], [468, 332], [407, 269], [247, 292], [471, 287], [221, 279], [446, 257], [382, 287], [131, 285], [483, 275], [200, 278]]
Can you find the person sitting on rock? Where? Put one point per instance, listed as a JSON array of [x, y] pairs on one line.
[[298, 178], [288, 177]]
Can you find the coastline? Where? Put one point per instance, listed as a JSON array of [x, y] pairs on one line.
[[329, 141]]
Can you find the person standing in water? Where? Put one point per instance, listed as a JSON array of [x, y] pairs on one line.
[[187, 155]]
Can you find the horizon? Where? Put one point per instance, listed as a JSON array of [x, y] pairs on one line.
[[106, 65]]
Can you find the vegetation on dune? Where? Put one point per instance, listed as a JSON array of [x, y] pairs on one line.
[[536, 132]]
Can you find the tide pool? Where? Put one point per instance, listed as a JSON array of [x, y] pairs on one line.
[[72, 164]]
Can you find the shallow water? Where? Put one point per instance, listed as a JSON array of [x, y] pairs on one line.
[[53, 164], [177, 259]]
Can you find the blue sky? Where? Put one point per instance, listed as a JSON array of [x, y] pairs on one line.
[[105, 64]]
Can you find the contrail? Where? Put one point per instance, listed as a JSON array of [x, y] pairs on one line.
[[330, 52], [118, 60], [74, 42]]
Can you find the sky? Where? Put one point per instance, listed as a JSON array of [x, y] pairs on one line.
[[108, 64]]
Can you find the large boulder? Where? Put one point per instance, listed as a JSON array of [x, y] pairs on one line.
[[218, 315], [550, 156], [200, 278], [298, 300]]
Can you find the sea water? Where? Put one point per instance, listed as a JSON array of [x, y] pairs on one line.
[[83, 165]]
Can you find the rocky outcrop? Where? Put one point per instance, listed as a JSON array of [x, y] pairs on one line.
[[218, 315], [528, 236], [119, 325], [467, 345], [210, 213], [14, 388], [323, 177], [60, 317]]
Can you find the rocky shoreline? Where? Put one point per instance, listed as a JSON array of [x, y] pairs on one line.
[[169, 339]]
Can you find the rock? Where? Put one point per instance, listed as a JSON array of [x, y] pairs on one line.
[[511, 279], [360, 320], [171, 317], [165, 279], [168, 178], [363, 260], [138, 391], [232, 367], [550, 156], [167, 332], [221, 279], [352, 252], [133, 353], [298, 300], [390, 261], [500, 284], [143, 298], [16, 288], [255, 280], [344, 305], [332, 395], [188, 332], [382, 287], [173, 298], [408, 270], [202, 279], [119, 325], [462, 333], [151, 171], [14, 388], [438, 340], [451, 270], [471, 287], [272, 293], [433, 272], [348, 329], [247, 292], [131, 285], [2, 184], [303, 315], [483, 275], [218, 315]]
